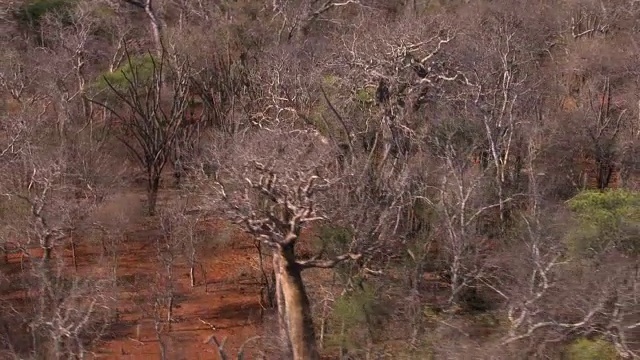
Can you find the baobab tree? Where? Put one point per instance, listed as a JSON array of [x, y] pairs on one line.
[[290, 200]]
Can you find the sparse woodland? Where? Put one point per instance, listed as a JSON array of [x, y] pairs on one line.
[[411, 179]]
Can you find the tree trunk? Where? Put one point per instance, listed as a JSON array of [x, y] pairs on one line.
[[160, 339], [299, 323], [155, 27], [73, 254], [192, 276], [46, 255], [192, 265], [152, 193], [342, 336], [281, 303], [170, 310]]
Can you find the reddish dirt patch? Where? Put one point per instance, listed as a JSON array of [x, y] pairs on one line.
[[231, 308], [225, 302]]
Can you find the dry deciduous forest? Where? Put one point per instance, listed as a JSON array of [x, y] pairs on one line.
[[320, 179]]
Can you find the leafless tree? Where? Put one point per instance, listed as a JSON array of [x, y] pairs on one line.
[[296, 17], [60, 317], [62, 313], [34, 180], [604, 132], [289, 207], [155, 119], [155, 23], [538, 275], [601, 305], [192, 239]]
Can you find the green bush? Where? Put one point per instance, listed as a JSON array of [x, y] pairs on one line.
[[330, 81], [320, 115], [33, 11], [585, 349], [352, 308], [366, 95], [335, 239], [353, 318], [142, 67], [604, 220], [331, 239]]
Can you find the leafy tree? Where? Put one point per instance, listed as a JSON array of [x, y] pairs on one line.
[[605, 220]]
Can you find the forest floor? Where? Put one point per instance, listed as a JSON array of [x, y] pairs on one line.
[[225, 302]]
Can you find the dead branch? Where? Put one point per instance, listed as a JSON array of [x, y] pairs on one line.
[[327, 264]]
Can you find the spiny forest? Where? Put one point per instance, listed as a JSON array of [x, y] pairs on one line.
[[320, 179]]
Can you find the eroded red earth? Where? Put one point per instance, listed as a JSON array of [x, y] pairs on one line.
[[225, 302]]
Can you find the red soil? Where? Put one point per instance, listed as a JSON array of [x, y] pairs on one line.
[[228, 306]]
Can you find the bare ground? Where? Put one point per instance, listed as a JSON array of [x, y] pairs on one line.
[[225, 302]]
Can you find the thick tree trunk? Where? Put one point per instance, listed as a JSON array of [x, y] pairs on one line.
[[299, 323], [281, 303], [47, 251]]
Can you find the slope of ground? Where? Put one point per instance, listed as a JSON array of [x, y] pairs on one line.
[[227, 306], [225, 302]]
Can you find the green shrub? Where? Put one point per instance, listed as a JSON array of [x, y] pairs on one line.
[[352, 308], [320, 115], [604, 220], [585, 349], [330, 81], [365, 95], [319, 123], [334, 239], [143, 67], [352, 318], [33, 11]]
